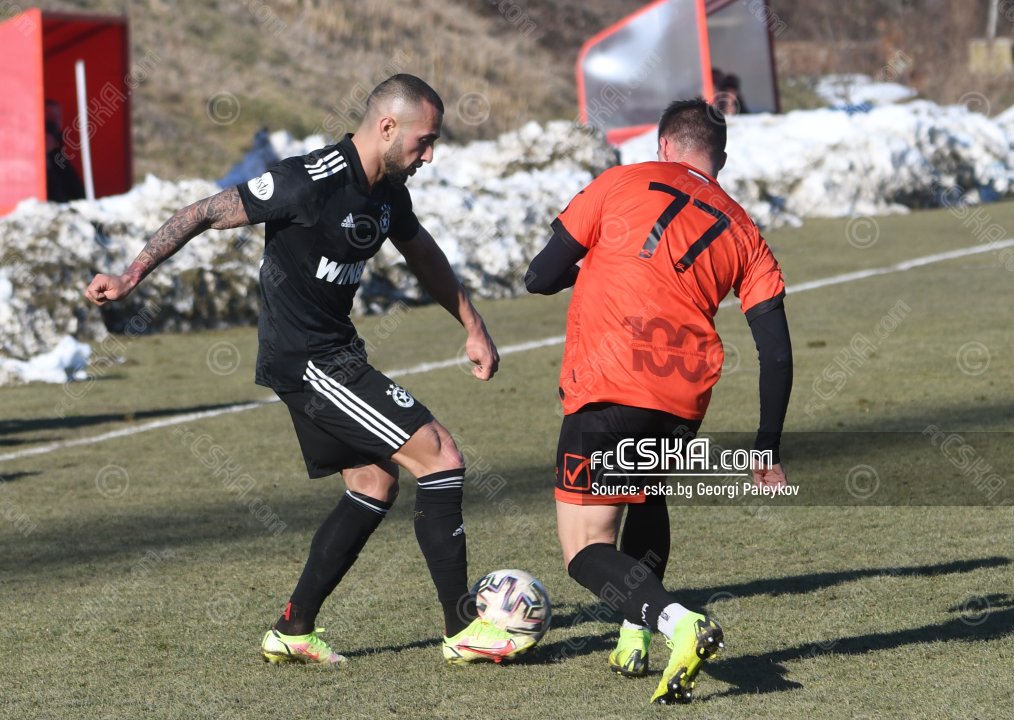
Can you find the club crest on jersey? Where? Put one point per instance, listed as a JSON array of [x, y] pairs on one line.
[[262, 187], [385, 218], [400, 395]]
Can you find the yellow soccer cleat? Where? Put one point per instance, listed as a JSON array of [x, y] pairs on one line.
[[630, 658], [308, 649], [696, 638], [482, 641]]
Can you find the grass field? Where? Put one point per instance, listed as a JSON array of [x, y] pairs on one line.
[[137, 573]]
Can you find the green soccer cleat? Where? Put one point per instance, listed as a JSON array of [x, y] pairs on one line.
[[308, 649], [630, 658], [695, 639], [482, 641]]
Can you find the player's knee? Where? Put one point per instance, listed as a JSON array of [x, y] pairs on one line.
[[445, 450], [571, 551], [575, 539], [431, 449], [571, 547], [375, 482], [385, 492], [450, 453]]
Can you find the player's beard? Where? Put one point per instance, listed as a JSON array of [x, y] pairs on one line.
[[394, 171]]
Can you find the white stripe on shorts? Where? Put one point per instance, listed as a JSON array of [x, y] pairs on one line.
[[356, 408]]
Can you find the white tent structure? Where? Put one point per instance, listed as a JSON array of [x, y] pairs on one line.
[[630, 71]]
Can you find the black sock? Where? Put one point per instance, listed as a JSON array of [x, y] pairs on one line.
[[334, 549], [441, 534], [645, 534], [621, 582]]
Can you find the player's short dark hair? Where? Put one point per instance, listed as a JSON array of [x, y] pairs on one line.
[[406, 87], [695, 125]]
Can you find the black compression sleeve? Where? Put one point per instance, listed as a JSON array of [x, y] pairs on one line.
[[771, 334], [554, 269]]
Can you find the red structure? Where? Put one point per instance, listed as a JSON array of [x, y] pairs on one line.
[[38, 53]]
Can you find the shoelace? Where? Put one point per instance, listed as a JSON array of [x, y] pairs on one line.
[[313, 643], [317, 643], [490, 631]]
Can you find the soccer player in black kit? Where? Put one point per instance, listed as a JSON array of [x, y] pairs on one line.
[[326, 214]]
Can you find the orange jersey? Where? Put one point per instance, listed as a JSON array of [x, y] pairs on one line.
[[665, 245]]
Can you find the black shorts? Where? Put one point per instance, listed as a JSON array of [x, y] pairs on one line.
[[599, 427], [348, 421]]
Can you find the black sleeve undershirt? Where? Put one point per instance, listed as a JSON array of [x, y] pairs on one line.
[[770, 331], [555, 268]]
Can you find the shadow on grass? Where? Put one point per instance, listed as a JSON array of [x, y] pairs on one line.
[[985, 416], [548, 653], [414, 645], [544, 653], [10, 477], [124, 535], [803, 584], [799, 584], [793, 584], [912, 458], [764, 672], [17, 426]]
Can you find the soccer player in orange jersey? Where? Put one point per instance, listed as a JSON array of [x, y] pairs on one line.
[[660, 244]]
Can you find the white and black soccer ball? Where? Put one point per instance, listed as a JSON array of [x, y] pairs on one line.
[[514, 601]]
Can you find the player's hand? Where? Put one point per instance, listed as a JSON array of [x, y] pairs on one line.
[[105, 288], [481, 350], [773, 476]]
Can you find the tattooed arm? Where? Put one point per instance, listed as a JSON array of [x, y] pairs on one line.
[[221, 211]]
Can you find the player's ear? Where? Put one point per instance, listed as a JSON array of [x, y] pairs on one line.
[[720, 162], [388, 127], [663, 148]]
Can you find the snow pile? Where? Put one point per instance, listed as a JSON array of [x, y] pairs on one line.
[[488, 204], [853, 91], [828, 163], [67, 361], [49, 253]]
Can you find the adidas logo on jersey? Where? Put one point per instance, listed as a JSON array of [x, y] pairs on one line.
[[348, 222]]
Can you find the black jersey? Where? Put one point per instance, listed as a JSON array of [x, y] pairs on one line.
[[323, 224]]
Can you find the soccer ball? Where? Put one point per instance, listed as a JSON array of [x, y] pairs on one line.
[[514, 601]]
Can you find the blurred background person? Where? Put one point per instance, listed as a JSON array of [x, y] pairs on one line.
[[62, 181]]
